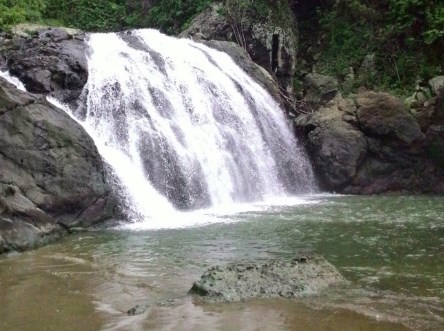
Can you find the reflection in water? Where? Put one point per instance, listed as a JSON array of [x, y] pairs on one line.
[[390, 248]]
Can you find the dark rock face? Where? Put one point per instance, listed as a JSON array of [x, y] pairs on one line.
[[236, 282], [373, 145], [51, 177], [336, 144], [52, 61]]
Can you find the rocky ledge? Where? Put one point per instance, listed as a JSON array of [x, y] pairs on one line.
[[52, 178], [371, 143], [47, 60], [235, 282]]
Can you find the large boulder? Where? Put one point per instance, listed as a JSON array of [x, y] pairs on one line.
[[47, 60], [372, 144], [381, 115], [51, 175], [334, 141], [236, 282]]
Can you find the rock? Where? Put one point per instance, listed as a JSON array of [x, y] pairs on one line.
[[436, 84], [382, 115], [140, 309], [29, 30], [242, 59], [236, 282], [367, 71], [432, 113], [211, 23], [418, 99], [337, 147], [52, 177], [319, 89], [373, 145], [435, 143], [270, 41], [52, 61]]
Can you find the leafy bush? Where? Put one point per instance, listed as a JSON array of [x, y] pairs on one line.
[[100, 15], [172, 16], [406, 36], [13, 12]]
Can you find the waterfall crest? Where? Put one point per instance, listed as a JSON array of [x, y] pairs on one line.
[[183, 127]]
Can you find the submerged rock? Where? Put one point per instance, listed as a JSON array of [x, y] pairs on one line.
[[384, 116], [140, 309], [236, 282]]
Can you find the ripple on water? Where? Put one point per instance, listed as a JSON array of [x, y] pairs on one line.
[[389, 248]]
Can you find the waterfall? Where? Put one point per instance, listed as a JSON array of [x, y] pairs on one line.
[[13, 80], [184, 128]]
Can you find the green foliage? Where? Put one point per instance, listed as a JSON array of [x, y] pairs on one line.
[[100, 15], [247, 9], [13, 12], [172, 16], [406, 36]]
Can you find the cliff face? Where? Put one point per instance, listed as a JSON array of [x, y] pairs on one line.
[[267, 32]]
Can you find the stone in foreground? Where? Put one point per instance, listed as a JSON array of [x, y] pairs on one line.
[[235, 282]]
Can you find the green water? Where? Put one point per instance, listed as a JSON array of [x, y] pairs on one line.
[[390, 249]]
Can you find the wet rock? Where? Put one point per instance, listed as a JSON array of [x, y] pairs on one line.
[[235, 282], [140, 309], [243, 60], [51, 178]]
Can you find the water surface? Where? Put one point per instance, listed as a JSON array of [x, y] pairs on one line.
[[390, 249]]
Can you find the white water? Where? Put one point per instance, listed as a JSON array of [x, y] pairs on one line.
[[184, 128], [13, 80]]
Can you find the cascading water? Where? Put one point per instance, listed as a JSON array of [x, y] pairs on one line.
[[183, 127], [13, 80]]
